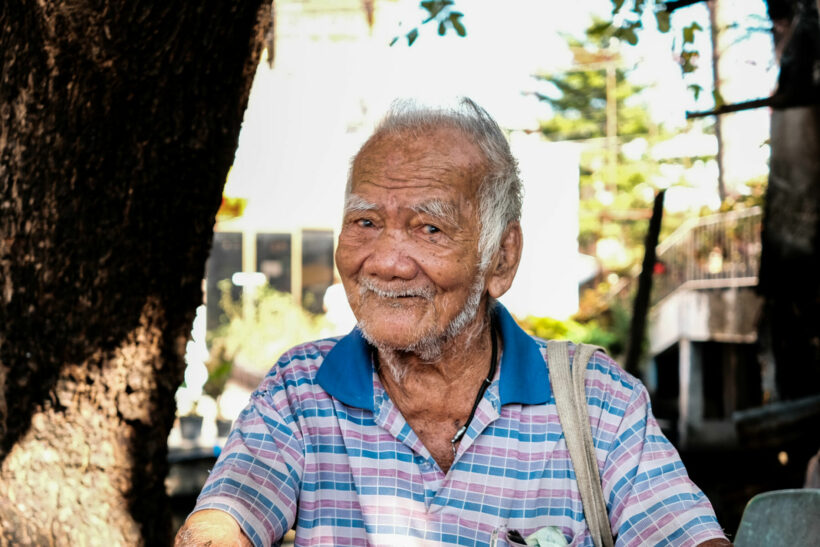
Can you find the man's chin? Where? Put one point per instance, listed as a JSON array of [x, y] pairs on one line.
[[411, 304], [389, 339], [411, 329]]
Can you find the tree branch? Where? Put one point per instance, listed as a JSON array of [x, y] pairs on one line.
[[640, 307], [672, 5], [736, 107]]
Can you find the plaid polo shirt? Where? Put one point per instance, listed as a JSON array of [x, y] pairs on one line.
[[321, 446]]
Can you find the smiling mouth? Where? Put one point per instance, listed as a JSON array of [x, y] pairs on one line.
[[400, 296], [400, 301], [368, 288]]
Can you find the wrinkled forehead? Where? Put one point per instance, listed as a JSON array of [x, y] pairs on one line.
[[437, 152]]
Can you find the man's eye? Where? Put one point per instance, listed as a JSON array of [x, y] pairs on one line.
[[430, 229], [365, 223]]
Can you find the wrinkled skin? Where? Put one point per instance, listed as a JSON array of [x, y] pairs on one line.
[[400, 247]]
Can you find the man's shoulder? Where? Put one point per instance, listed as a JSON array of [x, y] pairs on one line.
[[298, 366], [613, 395], [603, 372]]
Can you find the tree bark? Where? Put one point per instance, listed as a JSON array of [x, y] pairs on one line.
[[715, 35], [790, 261], [118, 123]]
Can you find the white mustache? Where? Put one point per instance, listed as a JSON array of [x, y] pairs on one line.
[[367, 285]]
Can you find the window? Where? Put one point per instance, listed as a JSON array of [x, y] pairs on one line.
[[225, 260], [273, 259], [317, 267]]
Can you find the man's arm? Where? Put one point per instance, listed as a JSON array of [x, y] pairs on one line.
[[257, 479], [211, 528], [650, 496]]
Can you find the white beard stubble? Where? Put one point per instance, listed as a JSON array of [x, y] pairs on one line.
[[430, 346]]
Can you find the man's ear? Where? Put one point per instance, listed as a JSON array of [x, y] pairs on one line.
[[505, 265]]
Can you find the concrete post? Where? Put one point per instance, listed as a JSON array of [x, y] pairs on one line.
[[690, 398]]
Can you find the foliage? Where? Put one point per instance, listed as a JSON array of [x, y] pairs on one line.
[[441, 12], [256, 333], [616, 191], [219, 371], [755, 197], [611, 308], [630, 15], [618, 182], [231, 207], [589, 332], [580, 95]]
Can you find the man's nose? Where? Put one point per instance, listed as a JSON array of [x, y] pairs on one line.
[[392, 257]]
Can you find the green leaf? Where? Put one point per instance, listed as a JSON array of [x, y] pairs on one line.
[[434, 7], [662, 17], [689, 33], [598, 28], [617, 5], [411, 36], [442, 28], [637, 7], [394, 40], [718, 98], [695, 89], [627, 34], [687, 61], [455, 20]]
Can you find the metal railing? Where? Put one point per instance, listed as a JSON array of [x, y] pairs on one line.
[[721, 250]]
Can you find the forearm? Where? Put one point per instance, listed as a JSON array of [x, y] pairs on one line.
[[211, 528]]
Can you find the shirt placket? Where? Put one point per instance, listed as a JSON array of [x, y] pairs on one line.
[[388, 417], [487, 412]]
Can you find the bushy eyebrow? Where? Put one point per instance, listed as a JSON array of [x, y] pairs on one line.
[[442, 210], [357, 204]]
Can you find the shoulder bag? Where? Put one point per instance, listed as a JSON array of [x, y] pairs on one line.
[[568, 385]]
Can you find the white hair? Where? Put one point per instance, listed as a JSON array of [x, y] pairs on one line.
[[500, 190]]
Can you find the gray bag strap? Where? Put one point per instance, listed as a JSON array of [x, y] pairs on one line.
[[570, 398]]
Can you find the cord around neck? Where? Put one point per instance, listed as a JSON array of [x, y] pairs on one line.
[[484, 385]]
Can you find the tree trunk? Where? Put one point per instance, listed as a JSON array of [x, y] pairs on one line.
[[790, 261], [717, 48], [790, 264], [118, 123], [640, 308]]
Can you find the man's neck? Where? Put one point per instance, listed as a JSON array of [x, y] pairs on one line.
[[436, 386]]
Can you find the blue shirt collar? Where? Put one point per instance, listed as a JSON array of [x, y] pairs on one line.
[[347, 371]]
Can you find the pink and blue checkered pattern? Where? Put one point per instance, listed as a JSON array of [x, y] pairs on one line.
[[321, 446]]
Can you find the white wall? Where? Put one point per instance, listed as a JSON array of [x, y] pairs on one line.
[[547, 280]]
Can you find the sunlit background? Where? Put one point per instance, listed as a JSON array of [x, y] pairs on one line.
[[599, 127]]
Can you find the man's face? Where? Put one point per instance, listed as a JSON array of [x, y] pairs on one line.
[[408, 249]]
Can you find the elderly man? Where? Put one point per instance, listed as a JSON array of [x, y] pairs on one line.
[[433, 421]]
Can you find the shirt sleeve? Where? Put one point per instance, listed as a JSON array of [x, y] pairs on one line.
[[257, 476], [650, 498]]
